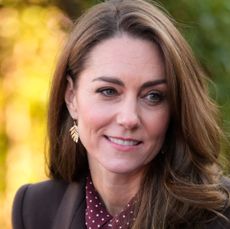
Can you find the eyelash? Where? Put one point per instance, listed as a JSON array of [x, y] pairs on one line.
[[111, 92], [104, 91], [158, 97]]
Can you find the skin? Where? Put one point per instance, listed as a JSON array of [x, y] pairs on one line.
[[123, 114]]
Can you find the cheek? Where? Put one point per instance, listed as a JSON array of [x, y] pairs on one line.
[[91, 118], [158, 123]]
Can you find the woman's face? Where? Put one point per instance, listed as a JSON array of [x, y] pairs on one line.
[[121, 104]]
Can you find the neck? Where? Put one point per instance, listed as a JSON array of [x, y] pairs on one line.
[[115, 190]]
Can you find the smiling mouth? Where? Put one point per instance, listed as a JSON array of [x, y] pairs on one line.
[[123, 142]]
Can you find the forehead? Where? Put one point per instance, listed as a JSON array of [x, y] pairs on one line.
[[125, 57]]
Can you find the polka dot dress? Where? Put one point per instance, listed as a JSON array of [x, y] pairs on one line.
[[96, 215]]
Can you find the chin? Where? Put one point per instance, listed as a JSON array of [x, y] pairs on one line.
[[123, 169]]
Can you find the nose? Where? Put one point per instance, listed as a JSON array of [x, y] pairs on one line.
[[128, 116]]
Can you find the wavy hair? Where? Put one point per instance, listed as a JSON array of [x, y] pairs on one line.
[[183, 185]]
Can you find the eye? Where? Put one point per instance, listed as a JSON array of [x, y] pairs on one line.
[[154, 97], [107, 91]]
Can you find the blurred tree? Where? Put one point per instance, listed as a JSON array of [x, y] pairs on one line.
[[30, 38], [72, 8], [205, 24]]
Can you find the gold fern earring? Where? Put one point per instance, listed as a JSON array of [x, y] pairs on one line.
[[74, 132]]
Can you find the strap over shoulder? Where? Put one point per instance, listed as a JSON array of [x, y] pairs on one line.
[[71, 212]]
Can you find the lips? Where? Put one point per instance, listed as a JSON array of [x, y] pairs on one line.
[[123, 141]]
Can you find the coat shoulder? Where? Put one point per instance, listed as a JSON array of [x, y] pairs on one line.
[[223, 222], [35, 205]]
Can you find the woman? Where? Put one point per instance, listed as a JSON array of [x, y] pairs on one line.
[[134, 138]]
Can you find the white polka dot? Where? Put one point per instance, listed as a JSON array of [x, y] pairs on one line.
[[123, 216], [93, 221], [97, 215], [102, 219]]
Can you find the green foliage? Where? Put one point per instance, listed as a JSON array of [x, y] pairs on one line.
[[206, 25]]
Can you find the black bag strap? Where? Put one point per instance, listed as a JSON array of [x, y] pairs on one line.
[[72, 206]]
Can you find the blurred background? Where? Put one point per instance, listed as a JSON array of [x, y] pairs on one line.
[[31, 34]]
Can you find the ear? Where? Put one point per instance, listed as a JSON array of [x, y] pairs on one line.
[[70, 98]]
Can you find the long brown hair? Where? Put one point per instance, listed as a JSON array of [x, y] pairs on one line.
[[182, 186]]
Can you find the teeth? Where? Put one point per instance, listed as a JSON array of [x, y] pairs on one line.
[[123, 142]]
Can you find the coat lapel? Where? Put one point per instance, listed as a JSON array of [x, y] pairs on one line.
[[71, 213]]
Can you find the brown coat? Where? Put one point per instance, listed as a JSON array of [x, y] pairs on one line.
[[57, 205]]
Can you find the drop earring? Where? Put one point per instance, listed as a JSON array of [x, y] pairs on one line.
[[74, 132]]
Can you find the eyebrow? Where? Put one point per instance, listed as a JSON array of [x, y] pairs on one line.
[[109, 80], [153, 83], [120, 83]]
